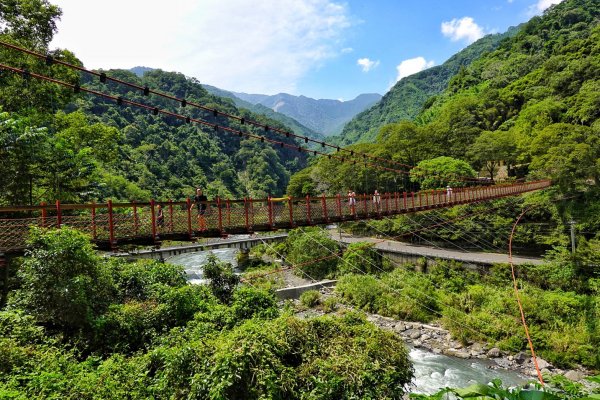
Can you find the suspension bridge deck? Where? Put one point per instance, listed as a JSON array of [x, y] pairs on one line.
[[113, 224]]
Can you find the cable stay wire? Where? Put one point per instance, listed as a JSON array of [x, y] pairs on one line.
[[216, 127], [391, 288], [438, 217], [518, 297], [50, 60]]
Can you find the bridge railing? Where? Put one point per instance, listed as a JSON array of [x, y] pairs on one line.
[[109, 223]]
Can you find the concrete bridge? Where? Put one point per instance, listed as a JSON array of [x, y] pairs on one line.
[[242, 243], [408, 253]]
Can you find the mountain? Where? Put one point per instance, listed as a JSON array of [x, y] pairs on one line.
[[324, 116], [295, 126], [408, 96], [140, 71]]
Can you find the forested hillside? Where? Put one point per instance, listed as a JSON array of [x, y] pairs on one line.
[[56, 144], [407, 98]]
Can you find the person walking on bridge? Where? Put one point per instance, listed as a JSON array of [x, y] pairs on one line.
[[160, 217], [351, 201], [200, 200], [377, 200]]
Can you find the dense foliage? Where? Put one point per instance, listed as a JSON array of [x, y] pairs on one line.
[[110, 329]]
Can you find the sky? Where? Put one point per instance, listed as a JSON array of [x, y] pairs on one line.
[[317, 48]]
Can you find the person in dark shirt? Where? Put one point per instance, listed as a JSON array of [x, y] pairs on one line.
[[200, 201], [160, 217]]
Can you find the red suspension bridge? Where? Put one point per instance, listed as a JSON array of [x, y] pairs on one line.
[[111, 224]]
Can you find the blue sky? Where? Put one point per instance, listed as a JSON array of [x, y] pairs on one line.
[[317, 48]]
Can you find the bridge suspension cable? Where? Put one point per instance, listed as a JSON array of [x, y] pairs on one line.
[[50, 60], [155, 110], [146, 91]]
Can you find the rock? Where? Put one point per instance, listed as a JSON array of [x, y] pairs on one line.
[[475, 353], [478, 347], [400, 327], [456, 353], [542, 364], [417, 343], [494, 352], [437, 351], [414, 333], [510, 358], [532, 372], [574, 375], [520, 357], [425, 337]]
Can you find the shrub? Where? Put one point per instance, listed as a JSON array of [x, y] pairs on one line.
[[265, 277], [362, 257], [250, 302], [330, 304], [139, 280], [222, 279], [313, 253], [281, 358], [310, 298]]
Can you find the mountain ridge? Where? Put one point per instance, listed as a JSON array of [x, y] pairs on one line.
[[326, 116], [406, 99]]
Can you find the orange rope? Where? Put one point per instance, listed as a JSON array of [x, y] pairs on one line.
[[512, 267]]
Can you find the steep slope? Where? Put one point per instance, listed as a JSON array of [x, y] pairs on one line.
[[408, 96], [324, 116]]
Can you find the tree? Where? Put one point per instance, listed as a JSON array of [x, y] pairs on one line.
[[440, 172], [64, 283], [29, 21], [491, 148], [568, 154], [22, 153], [301, 184]]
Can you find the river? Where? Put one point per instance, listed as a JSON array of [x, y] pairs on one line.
[[432, 371]]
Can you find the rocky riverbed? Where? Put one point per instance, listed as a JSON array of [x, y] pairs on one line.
[[437, 340]]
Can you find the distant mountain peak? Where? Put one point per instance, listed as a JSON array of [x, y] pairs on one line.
[[140, 71], [326, 116]]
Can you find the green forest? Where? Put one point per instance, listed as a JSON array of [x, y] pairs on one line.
[[519, 105]]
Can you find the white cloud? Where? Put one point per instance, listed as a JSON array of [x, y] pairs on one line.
[[367, 64], [462, 29], [542, 5], [347, 50], [412, 66], [260, 46]]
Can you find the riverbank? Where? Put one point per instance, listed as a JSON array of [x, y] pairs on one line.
[[438, 340], [435, 339]]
